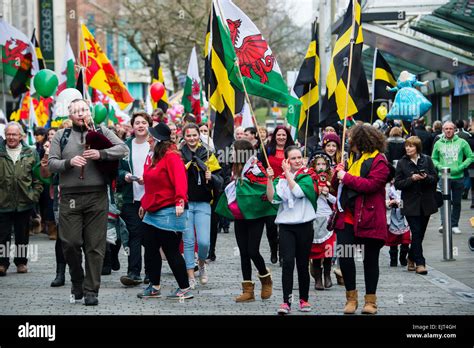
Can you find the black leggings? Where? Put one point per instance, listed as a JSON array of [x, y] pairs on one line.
[[248, 234], [371, 251], [154, 239], [295, 243]]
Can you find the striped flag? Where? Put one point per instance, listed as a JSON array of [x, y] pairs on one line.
[[223, 96], [333, 105], [383, 77], [39, 54], [306, 88], [157, 76]]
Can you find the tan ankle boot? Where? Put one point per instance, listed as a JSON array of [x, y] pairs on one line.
[[370, 306], [267, 284], [247, 292], [352, 302], [52, 230]]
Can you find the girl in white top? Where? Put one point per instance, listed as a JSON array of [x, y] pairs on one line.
[[295, 191]]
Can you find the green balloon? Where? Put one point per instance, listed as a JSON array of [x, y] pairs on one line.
[[45, 82], [100, 113], [204, 119]]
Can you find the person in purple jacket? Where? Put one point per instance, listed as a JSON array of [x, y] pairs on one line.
[[361, 221]]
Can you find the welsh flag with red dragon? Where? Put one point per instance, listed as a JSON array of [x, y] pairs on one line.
[[250, 193], [257, 63]]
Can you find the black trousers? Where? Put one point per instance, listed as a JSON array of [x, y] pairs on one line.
[[136, 229], [272, 230], [248, 234], [58, 250], [418, 225], [155, 239], [19, 223], [347, 243], [295, 243], [214, 224]]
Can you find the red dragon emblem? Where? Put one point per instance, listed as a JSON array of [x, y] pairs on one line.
[[15, 52], [251, 53], [195, 100]]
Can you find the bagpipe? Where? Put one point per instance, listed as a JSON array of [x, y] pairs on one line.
[[96, 140]]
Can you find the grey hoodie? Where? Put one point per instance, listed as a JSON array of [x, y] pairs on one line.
[[93, 181]]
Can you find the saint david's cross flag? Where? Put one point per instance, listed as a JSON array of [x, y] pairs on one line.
[[260, 71]]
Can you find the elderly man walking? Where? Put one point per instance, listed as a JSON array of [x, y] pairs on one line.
[[20, 191], [83, 204], [455, 153]]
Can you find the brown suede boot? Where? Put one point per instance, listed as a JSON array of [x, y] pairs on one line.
[[267, 284], [247, 292], [52, 230], [339, 278], [352, 302], [318, 276], [370, 306]]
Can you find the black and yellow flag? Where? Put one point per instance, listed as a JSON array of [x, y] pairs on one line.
[[382, 78], [222, 94], [157, 76], [306, 88], [333, 106], [39, 55]]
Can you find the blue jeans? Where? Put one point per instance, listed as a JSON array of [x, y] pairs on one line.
[[199, 218], [457, 188]]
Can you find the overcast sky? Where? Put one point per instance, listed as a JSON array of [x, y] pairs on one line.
[[301, 11]]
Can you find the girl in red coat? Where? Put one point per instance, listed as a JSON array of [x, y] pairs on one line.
[[361, 220], [163, 211]]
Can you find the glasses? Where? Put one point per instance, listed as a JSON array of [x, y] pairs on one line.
[[80, 111]]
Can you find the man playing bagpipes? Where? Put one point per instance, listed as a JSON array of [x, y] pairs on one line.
[[85, 159]]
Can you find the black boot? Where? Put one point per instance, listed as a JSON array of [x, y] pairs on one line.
[[393, 256], [107, 265], [403, 254], [327, 273], [60, 277], [274, 251], [318, 275]]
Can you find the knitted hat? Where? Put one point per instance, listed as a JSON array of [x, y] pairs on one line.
[[331, 137]]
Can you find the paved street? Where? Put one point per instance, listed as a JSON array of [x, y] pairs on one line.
[[447, 290]]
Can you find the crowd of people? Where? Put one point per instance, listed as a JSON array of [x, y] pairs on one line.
[[321, 205]]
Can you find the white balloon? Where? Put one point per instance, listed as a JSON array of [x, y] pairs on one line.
[[63, 100]]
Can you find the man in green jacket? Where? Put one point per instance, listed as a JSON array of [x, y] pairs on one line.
[[455, 153], [20, 191]]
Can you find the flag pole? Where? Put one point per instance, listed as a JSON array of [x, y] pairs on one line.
[[373, 85], [254, 120], [307, 123], [209, 83], [344, 131]]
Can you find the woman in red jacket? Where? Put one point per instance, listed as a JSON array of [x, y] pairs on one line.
[[361, 219], [163, 207]]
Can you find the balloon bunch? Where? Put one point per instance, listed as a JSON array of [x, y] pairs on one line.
[[175, 112]]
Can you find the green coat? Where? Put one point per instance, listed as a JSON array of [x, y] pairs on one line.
[[20, 189]]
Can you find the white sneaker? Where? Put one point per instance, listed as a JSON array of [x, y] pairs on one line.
[[456, 230], [192, 283], [203, 277], [440, 229]]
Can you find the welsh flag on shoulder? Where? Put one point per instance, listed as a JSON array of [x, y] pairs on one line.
[[247, 194], [260, 71], [67, 78], [192, 95], [306, 179]]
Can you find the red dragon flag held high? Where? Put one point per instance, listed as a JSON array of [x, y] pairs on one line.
[[100, 74], [192, 96], [258, 65]]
